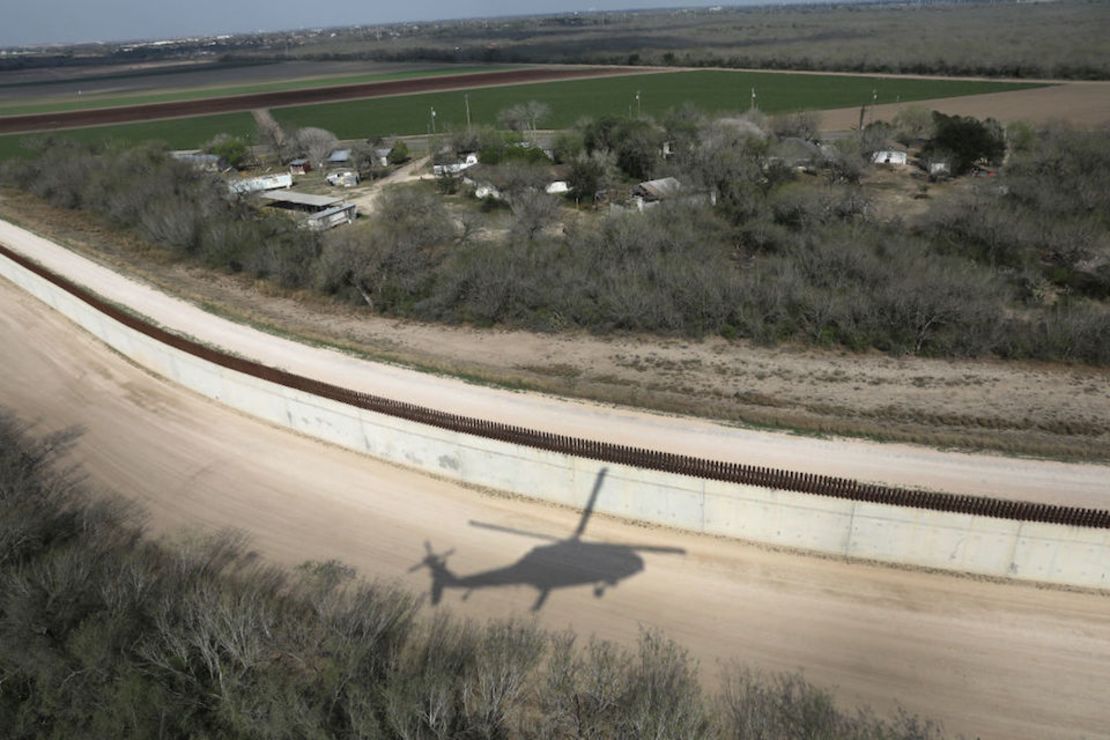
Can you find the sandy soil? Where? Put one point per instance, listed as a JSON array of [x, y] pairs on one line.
[[1079, 103], [902, 465], [989, 659]]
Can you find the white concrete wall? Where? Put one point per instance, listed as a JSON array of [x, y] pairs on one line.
[[958, 542]]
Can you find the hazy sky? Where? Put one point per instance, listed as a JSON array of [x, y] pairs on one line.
[[24, 22]]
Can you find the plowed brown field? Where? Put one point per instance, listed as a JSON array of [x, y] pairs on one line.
[[209, 106]]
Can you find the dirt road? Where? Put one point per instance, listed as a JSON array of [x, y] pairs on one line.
[[368, 198], [892, 464], [995, 660]]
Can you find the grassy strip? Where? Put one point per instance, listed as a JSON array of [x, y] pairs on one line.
[[177, 133], [712, 90], [49, 105]]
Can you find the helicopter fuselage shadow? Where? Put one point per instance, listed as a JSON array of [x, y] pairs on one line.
[[563, 563]]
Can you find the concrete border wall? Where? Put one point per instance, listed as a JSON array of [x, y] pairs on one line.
[[1024, 550]]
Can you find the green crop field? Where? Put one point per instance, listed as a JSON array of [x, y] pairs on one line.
[[716, 91], [47, 105], [711, 90]]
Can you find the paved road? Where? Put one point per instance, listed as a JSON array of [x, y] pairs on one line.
[[904, 465], [989, 659]]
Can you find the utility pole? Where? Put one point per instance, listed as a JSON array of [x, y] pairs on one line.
[[433, 121], [753, 98], [639, 111], [466, 97]]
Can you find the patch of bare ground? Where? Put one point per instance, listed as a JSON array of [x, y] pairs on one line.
[[1078, 103], [1035, 409]]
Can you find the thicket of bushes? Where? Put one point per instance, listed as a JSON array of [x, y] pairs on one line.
[[169, 203], [775, 258], [1017, 266], [104, 633]]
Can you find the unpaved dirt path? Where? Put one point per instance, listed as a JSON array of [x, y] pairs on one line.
[[989, 659], [892, 464], [368, 198]]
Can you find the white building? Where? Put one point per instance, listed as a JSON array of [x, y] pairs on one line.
[[890, 156]]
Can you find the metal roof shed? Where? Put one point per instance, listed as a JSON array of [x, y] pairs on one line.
[[302, 201]]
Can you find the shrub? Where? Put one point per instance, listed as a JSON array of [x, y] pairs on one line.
[[104, 633]]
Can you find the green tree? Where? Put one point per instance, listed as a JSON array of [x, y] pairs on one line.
[[235, 150], [590, 174], [400, 153], [967, 140]]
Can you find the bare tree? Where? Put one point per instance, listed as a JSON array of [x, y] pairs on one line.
[[524, 117], [912, 124], [314, 143], [533, 211], [803, 125], [270, 133]]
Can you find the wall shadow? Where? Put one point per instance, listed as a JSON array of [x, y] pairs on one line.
[[562, 563]]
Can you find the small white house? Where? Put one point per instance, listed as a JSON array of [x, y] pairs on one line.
[[939, 169], [381, 155], [260, 184], [890, 156], [441, 170], [342, 179], [201, 160]]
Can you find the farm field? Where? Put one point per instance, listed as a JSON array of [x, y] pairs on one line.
[[716, 91], [27, 85], [712, 90], [55, 104]]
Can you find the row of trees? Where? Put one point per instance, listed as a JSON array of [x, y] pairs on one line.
[[105, 633]]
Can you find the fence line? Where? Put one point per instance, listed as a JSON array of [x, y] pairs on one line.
[[785, 480]]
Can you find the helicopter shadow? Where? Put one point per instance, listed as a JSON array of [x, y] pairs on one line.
[[560, 563]]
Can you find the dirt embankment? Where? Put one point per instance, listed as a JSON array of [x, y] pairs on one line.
[[209, 106], [1021, 408]]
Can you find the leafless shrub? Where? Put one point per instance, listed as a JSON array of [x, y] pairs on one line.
[[803, 125]]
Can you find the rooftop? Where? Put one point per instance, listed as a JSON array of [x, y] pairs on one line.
[[291, 197], [660, 189]]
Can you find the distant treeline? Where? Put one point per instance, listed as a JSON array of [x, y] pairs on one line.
[[1065, 40], [1031, 69], [105, 633]]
